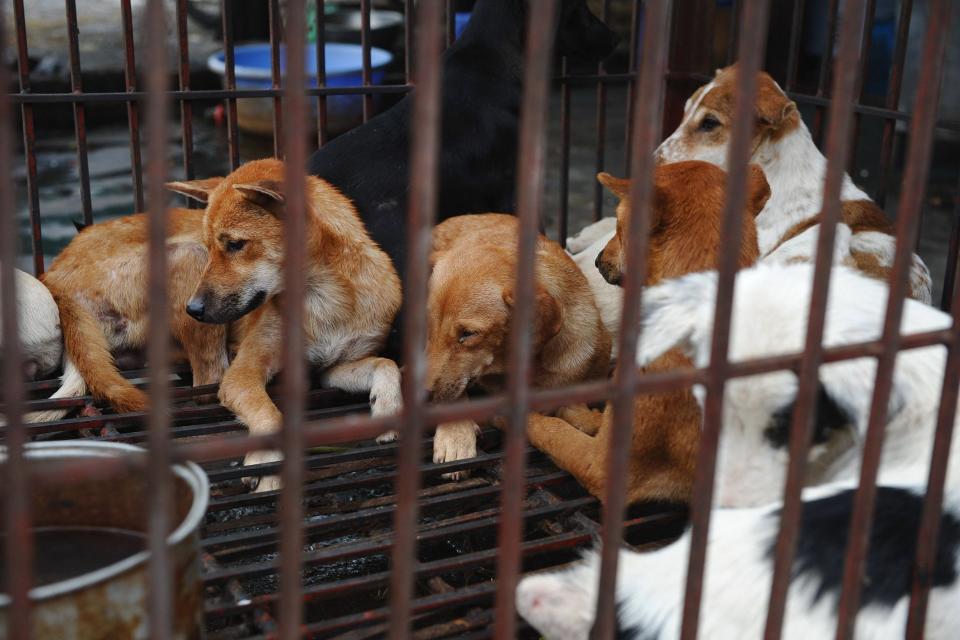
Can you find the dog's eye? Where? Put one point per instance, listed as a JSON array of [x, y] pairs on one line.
[[709, 123], [235, 245], [466, 334]]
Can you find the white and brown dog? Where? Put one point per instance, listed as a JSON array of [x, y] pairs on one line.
[[783, 147]]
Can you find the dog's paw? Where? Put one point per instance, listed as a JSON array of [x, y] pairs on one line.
[[388, 437], [259, 484], [455, 441], [386, 403]]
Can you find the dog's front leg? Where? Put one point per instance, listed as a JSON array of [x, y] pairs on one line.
[[378, 376], [455, 441], [243, 391], [571, 449]]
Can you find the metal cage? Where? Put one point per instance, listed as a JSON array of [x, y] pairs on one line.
[[443, 559]]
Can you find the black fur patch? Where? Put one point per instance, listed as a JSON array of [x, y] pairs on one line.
[[824, 529], [829, 417]]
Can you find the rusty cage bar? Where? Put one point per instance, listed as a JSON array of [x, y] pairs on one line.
[[369, 540]]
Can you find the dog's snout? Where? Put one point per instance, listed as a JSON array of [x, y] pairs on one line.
[[596, 262], [429, 395], [195, 307]]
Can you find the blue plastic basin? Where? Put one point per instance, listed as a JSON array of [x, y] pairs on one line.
[[344, 64]]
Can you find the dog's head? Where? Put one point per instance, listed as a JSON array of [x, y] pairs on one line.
[[704, 133], [470, 304], [685, 222], [243, 233], [580, 34]]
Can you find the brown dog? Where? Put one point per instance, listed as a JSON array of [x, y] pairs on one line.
[[470, 304], [226, 267], [684, 238]]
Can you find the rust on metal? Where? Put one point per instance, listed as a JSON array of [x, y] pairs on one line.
[[754, 19], [844, 93], [159, 490], [908, 225], [540, 23], [421, 210]]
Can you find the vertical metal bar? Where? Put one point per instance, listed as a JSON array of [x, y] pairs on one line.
[[600, 149], [276, 28], [908, 220], [929, 532], [838, 150], [866, 39], [365, 45], [321, 51], [186, 108], [562, 223], [133, 108], [79, 111], [646, 133], [953, 253], [233, 132], [159, 489], [793, 57], [631, 86], [19, 547], [408, 40], [451, 23], [29, 137], [540, 25], [294, 366], [734, 31], [421, 211], [893, 99], [754, 22], [823, 79]]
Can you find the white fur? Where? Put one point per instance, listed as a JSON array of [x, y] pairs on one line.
[[795, 170], [38, 324], [769, 318], [584, 249]]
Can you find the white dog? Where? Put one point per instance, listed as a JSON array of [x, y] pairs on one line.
[[769, 317], [39, 326]]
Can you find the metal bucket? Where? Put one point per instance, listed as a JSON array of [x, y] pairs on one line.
[[90, 546]]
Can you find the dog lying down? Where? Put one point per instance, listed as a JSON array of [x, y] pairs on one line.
[[471, 297], [769, 317], [684, 238], [226, 270]]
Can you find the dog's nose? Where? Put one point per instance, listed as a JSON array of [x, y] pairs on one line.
[[429, 395], [195, 308], [596, 262]]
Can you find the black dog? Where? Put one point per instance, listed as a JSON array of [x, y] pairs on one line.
[[482, 86]]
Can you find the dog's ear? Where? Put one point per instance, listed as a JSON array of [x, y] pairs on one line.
[[773, 106], [619, 187], [264, 193], [677, 314], [547, 311], [196, 189], [758, 189]]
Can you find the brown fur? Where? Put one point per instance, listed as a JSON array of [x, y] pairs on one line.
[[666, 427], [100, 282], [470, 306], [352, 295]]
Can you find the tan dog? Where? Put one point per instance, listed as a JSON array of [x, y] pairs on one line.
[[684, 238], [788, 226], [226, 267], [469, 308]]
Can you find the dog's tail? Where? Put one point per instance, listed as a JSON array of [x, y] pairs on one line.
[[89, 364], [72, 386]]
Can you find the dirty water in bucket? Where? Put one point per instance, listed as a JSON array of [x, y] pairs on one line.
[[62, 553]]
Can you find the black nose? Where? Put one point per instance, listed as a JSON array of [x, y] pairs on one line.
[[195, 308], [429, 395], [596, 262]]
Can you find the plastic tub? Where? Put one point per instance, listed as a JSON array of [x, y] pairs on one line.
[[344, 64]]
